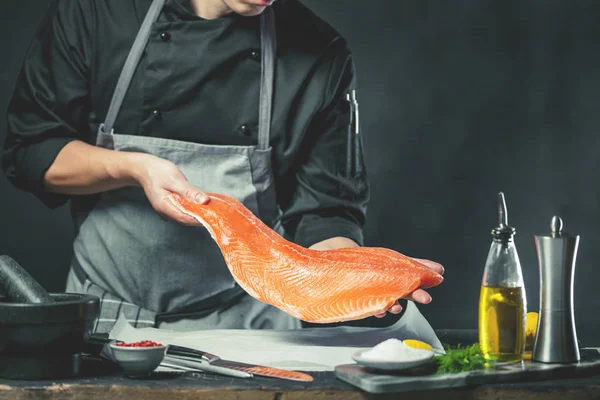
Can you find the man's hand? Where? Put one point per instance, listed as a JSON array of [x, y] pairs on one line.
[[418, 296], [158, 178]]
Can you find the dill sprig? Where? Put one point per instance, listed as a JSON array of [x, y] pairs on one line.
[[461, 359]]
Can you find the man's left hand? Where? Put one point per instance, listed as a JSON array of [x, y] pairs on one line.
[[418, 296]]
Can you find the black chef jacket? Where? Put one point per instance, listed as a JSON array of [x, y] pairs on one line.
[[198, 81]]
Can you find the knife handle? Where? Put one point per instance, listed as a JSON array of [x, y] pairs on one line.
[[171, 362], [187, 352]]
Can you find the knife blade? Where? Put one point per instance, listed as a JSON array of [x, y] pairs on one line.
[[264, 371]]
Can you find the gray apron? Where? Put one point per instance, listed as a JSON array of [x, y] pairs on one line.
[[161, 273]]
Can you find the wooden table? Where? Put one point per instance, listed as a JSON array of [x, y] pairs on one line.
[[100, 380]]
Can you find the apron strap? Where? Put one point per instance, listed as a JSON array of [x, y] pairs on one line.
[[268, 44], [131, 65]]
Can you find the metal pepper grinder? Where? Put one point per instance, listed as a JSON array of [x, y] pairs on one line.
[[556, 338]]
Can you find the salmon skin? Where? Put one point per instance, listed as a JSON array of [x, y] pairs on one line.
[[318, 286]]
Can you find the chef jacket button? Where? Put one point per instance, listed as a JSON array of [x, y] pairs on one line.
[[255, 55], [165, 36], [245, 129], [156, 114]]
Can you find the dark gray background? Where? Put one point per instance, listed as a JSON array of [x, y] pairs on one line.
[[459, 100]]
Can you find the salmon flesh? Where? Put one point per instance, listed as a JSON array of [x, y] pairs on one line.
[[318, 286]]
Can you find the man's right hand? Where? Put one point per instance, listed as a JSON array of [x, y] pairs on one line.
[[159, 177], [81, 168]]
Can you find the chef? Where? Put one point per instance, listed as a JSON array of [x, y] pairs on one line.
[[120, 102]]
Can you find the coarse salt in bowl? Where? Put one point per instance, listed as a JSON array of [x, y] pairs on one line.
[[393, 354]]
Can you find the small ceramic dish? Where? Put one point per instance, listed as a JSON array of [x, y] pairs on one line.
[[425, 358], [138, 361]]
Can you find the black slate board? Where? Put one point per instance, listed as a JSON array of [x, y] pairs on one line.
[[424, 378]]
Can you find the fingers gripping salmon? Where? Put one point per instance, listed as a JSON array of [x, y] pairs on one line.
[[319, 286]]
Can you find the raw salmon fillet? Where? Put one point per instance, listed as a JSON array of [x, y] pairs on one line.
[[319, 286]]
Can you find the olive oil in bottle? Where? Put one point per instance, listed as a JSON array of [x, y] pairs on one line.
[[503, 301], [502, 311]]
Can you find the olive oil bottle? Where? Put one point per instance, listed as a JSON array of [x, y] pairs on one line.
[[503, 301]]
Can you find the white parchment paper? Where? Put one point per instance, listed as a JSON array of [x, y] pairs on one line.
[[311, 349]]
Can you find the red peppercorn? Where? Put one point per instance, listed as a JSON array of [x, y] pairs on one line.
[[144, 343]]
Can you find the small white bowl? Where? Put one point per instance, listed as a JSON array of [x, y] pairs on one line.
[[138, 361], [425, 357]]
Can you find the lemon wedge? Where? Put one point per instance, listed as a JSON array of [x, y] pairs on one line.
[[532, 321], [417, 344]]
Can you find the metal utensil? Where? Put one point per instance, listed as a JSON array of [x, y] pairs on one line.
[[249, 368], [186, 364]]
